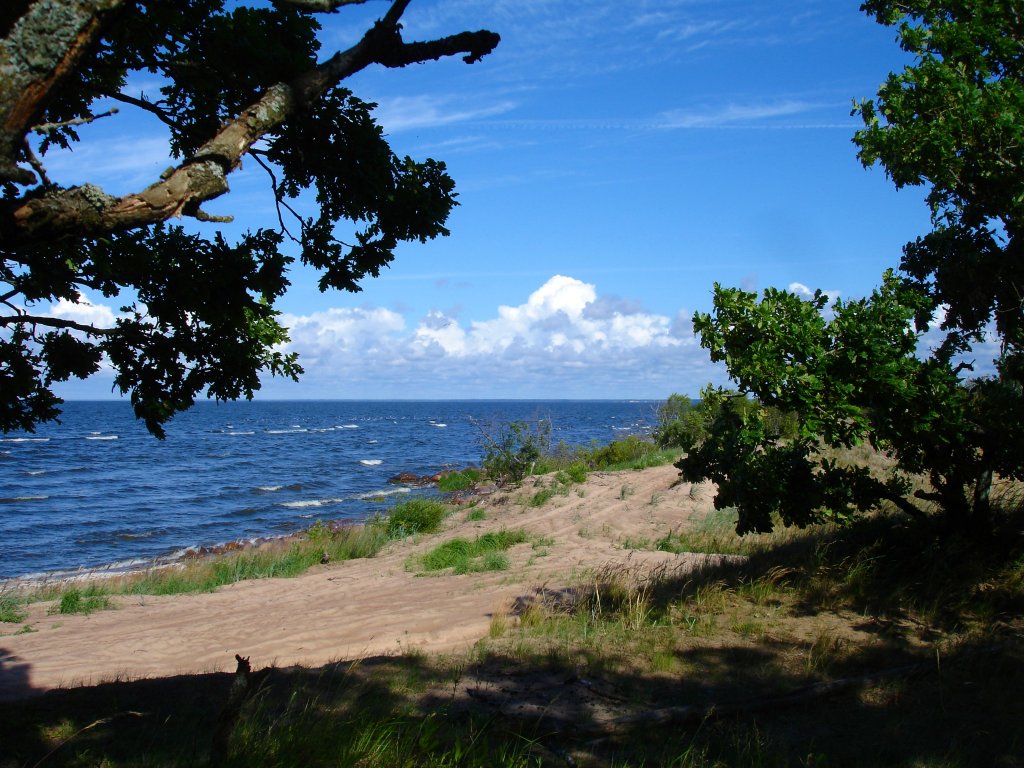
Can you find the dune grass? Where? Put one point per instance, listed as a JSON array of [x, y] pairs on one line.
[[799, 609], [461, 555], [321, 543], [12, 607]]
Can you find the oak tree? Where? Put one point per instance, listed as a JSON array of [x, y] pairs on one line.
[[952, 121], [238, 81]]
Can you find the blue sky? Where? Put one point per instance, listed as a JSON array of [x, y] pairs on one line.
[[613, 161]]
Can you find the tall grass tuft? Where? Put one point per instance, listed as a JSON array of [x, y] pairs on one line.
[[12, 608], [484, 553], [415, 516]]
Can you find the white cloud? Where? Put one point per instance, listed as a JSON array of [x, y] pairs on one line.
[[409, 112], [731, 114], [564, 340], [118, 164], [804, 292], [85, 312]]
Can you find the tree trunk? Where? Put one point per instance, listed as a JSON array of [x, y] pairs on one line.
[[982, 513]]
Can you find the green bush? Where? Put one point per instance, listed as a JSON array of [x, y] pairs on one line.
[[574, 473], [622, 451], [458, 481], [513, 453]]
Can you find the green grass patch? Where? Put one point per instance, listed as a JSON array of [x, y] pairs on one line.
[[716, 534], [12, 608], [459, 481], [415, 516], [92, 598], [543, 496], [460, 555], [476, 515]]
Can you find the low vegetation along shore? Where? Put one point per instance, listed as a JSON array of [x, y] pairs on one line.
[[584, 616]]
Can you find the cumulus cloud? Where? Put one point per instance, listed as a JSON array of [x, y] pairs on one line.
[[804, 292], [84, 311], [564, 340]]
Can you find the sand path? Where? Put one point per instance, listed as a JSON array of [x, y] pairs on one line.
[[360, 607]]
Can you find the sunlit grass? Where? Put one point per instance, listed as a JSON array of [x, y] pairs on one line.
[[461, 555]]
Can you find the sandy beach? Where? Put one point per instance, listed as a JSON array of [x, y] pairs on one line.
[[360, 607]]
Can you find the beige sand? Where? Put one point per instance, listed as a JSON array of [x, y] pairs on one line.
[[356, 608]]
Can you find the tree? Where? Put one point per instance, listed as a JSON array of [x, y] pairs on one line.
[[239, 81], [954, 120]]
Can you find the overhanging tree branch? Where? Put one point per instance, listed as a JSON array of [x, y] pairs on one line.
[[54, 322], [41, 49], [88, 211], [319, 6]]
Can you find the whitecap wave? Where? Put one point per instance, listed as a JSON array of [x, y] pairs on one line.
[[24, 440], [437, 425], [285, 431], [239, 433], [387, 492], [269, 488], [101, 437], [309, 503], [348, 426], [371, 462], [18, 499]]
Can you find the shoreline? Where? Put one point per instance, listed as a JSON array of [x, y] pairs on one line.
[[366, 606], [180, 558]]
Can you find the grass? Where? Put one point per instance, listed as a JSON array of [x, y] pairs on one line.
[[461, 555], [321, 543], [571, 465], [452, 482], [89, 600], [12, 608], [415, 516], [546, 684]]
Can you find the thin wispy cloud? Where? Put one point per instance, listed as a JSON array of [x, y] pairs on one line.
[[119, 164], [733, 113], [405, 113]]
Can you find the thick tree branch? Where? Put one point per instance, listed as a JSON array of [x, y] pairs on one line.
[[55, 322], [42, 47], [88, 211], [319, 6]]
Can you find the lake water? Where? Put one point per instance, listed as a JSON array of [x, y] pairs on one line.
[[97, 490]]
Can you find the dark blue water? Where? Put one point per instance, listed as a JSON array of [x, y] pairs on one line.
[[98, 489]]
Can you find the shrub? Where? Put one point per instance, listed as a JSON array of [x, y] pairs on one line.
[[622, 451], [458, 481], [512, 453]]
